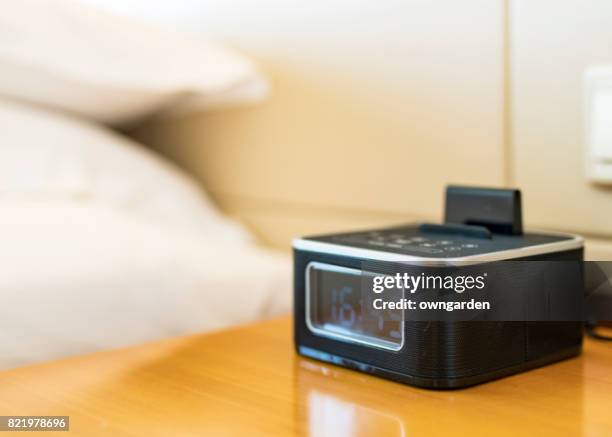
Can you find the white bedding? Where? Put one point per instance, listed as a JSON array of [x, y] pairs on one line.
[[104, 243], [72, 57], [81, 277]]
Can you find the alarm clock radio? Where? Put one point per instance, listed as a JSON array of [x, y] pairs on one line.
[[482, 227]]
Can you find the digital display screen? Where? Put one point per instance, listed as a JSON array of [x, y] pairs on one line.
[[340, 306]]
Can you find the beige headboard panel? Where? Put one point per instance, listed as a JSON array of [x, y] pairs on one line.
[[373, 110], [376, 106]]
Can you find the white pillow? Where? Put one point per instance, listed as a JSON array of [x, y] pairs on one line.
[[53, 157], [69, 56]]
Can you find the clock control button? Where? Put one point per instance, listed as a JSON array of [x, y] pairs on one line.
[[469, 245], [445, 242], [378, 240], [421, 249], [419, 239], [394, 245], [427, 245], [402, 241], [452, 248], [376, 243]]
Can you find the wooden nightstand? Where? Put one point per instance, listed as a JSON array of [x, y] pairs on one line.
[[249, 381]]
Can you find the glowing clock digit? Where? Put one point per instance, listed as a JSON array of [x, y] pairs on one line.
[[338, 307]]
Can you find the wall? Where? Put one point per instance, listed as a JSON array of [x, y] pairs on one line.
[[375, 108], [377, 105], [552, 44]]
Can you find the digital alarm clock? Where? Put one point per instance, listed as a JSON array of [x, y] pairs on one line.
[[336, 322]]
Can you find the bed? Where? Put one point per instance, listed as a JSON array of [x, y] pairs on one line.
[[105, 243], [76, 278]]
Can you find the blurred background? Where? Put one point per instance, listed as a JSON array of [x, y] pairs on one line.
[[375, 107], [159, 156]]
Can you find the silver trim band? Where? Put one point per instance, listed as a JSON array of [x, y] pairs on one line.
[[576, 242]]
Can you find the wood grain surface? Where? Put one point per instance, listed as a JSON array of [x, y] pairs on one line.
[[249, 381]]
